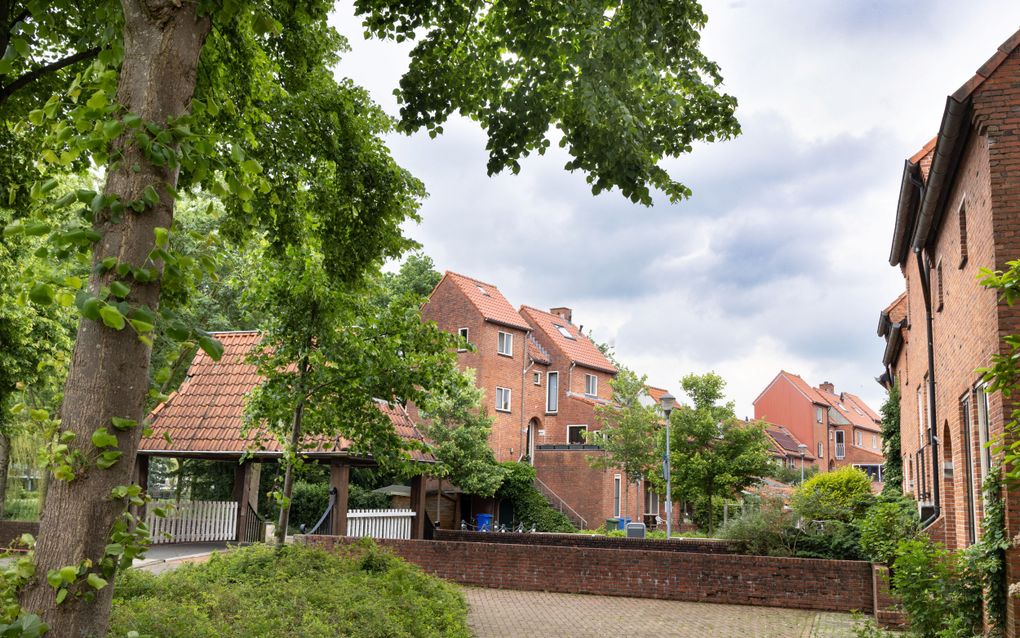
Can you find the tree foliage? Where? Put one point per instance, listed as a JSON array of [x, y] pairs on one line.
[[712, 452], [840, 495], [629, 429], [893, 472]]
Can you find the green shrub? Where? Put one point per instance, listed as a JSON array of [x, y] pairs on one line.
[[938, 590], [841, 495], [892, 519], [834, 539], [766, 531], [530, 507], [22, 509], [295, 591]]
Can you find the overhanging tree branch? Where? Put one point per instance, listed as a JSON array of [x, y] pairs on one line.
[[35, 74]]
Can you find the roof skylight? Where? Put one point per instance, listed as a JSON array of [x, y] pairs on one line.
[[564, 331]]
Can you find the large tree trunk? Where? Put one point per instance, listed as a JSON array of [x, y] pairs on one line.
[[109, 373], [5, 464], [295, 446]]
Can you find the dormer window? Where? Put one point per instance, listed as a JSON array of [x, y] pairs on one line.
[[563, 331], [482, 290], [505, 344], [591, 385], [463, 332]]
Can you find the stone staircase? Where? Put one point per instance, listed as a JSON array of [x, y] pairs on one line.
[[560, 505]]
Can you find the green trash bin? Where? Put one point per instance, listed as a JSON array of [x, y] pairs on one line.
[[612, 523]]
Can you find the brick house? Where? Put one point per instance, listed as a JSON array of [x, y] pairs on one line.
[[839, 429], [542, 379], [786, 449], [958, 211]]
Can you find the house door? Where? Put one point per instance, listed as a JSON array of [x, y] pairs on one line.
[[532, 433]]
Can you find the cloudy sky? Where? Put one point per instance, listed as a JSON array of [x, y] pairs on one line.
[[779, 260]]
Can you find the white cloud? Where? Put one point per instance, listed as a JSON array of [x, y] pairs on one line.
[[779, 259]]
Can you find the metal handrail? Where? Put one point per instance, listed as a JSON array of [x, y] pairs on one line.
[[551, 495], [329, 510]]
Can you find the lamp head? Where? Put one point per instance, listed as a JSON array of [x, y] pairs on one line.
[[667, 401]]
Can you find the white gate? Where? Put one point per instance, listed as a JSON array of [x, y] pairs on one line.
[[192, 521], [380, 523]]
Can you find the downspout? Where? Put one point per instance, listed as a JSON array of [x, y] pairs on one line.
[[923, 262], [570, 377], [524, 385]]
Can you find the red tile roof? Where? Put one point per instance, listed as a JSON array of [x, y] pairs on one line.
[[489, 301], [844, 404], [579, 349], [655, 393], [537, 353], [785, 442], [897, 310], [206, 414]]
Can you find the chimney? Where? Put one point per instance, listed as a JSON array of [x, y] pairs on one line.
[[565, 314], [827, 387]]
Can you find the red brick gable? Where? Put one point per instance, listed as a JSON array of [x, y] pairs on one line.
[[579, 349], [489, 301]]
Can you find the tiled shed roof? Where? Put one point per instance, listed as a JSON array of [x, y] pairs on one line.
[[206, 414], [537, 353], [579, 349], [489, 301], [786, 442]]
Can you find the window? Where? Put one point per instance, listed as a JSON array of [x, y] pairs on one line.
[[818, 414], [482, 290], [840, 444], [940, 293], [563, 331], [505, 344], [968, 468], [575, 434], [463, 332], [963, 232], [874, 441], [874, 472], [536, 378], [821, 454], [503, 399], [981, 402], [920, 417], [858, 438], [591, 385], [552, 392], [651, 503], [617, 484]]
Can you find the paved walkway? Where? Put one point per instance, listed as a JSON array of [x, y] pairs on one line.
[[498, 613]]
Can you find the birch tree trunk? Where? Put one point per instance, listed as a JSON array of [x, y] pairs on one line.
[[109, 374]]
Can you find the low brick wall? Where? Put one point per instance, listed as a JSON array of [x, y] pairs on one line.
[[699, 545], [11, 531], [795, 583]]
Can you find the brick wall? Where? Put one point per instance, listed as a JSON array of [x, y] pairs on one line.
[[697, 545], [588, 490], [11, 531], [795, 583]]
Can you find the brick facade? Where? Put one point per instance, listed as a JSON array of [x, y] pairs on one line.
[[976, 225], [796, 583], [534, 425], [697, 545]]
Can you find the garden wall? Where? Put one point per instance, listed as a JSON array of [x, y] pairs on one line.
[[700, 545], [795, 583]]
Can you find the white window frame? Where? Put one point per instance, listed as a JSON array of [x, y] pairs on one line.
[[920, 417], [874, 442], [651, 503], [507, 403], [981, 408], [591, 385], [505, 344], [821, 451], [617, 495], [840, 438], [818, 414], [536, 378], [858, 438], [580, 426], [463, 332], [564, 332], [552, 391]]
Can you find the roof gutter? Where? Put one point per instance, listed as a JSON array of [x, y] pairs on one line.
[[906, 209], [948, 150]]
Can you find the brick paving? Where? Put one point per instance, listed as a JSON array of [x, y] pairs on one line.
[[503, 613]]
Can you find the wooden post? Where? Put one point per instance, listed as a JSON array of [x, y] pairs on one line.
[[418, 505], [339, 478], [241, 494]]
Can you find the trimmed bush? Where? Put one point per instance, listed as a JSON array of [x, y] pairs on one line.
[[530, 507], [291, 592], [841, 495]]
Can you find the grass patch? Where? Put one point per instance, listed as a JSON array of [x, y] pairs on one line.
[[296, 591]]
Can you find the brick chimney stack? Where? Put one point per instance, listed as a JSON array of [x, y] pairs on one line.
[[827, 387], [565, 314]]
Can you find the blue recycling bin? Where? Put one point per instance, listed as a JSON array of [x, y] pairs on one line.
[[624, 520], [484, 522]]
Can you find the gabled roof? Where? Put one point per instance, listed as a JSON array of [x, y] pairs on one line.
[[845, 404], [205, 416], [655, 393], [892, 314], [578, 348], [489, 301], [537, 353], [785, 442], [800, 384]]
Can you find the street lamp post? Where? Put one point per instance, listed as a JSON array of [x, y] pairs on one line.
[[803, 450], [666, 401]]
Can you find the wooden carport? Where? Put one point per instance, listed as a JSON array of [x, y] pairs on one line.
[[204, 420]]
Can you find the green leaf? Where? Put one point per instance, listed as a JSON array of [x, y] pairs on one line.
[[211, 346], [21, 46], [36, 117], [54, 579], [90, 309], [61, 595], [108, 459], [41, 294], [123, 424], [162, 237], [150, 196], [132, 120], [251, 166], [98, 100], [68, 573], [38, 415], [102, 438], [96, 581], [112, 317], [114, 549], [119, 289], [141, 327]]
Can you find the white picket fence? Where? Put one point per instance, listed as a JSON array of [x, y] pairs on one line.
[[390, 523], [192, 521]]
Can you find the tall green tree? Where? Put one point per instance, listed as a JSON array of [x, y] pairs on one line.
[[630, 427], [893, 472], [416, 278], [712, 452], [238, 98]]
